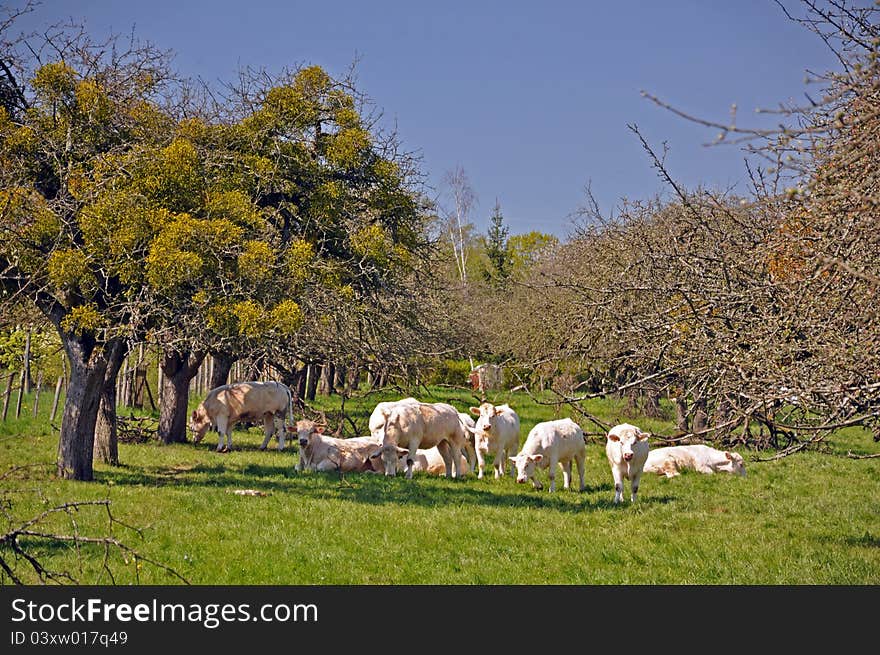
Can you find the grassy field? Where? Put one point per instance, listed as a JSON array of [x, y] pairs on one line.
[[812, 518]]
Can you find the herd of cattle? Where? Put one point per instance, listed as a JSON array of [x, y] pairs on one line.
[[436, 438]]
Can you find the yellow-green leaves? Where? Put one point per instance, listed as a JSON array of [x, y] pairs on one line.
[[234, 206], [348, 147], [298, 259], [174, 178], [82, 320], [247, 318], [189, 249], [255, 263], [66, 268], [372, 242], [55, 82]]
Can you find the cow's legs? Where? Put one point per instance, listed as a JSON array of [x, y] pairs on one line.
[[618, 484], [268, 429], [634, 487], [282, 433], [566, 474], [580, 465], [222, 427], [410, 460], [551, 471], [446, 453], [481, 463]]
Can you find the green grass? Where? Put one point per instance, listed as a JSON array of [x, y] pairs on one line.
[[812, 518]]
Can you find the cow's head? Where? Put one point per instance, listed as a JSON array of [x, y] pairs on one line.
[[525, 466], [388, 458], [306, 431], [486, 423], [733, 464], [199, 423], [626, 436]]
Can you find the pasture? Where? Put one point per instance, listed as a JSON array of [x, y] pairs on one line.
[[811, 518]]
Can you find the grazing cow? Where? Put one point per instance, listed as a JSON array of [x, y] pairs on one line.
[[428, 461], [321, 453], [225, 406], [672, 460], [497, 433], [548, 444], [414, 425], [627, 449]]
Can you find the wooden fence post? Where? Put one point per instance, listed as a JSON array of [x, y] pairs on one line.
[[57, 395], [37, 393], [20, 392], [7, 393]]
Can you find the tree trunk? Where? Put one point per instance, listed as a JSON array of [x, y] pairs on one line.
[[220, 371], [314, 370], [700, 417], [88, 366], [328, 378], [178, 369], [681, 415], [105, 448]]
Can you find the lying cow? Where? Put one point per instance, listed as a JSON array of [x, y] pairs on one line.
[[414, 425], [230, 404], [496, 433], [548, 444], [321, 453], [627, 450], [671, 461], [428, 461]]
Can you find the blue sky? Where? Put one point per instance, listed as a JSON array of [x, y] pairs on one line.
[[530, 98]]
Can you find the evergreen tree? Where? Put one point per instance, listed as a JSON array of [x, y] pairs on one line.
[[497, 249]]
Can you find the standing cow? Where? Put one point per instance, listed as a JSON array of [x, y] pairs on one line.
[[548, 444], [496, 432], [627, 450], [425, 425], [225, 406]]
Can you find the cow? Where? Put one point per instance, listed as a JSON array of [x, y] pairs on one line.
[[548, 444], [427, 460], [414, 425], [227, 405], [380, 414], [627, 450], [318, 452], [672, 460], [497, 433]]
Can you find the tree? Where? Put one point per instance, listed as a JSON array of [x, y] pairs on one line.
[[458, 216], [497, 250]]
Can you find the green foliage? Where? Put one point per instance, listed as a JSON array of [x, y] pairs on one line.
[[83, 319], [454, 372]]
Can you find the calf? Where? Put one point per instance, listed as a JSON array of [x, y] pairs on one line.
[[497, 433], [320, 453], [627, 449], [548, 444], [428, 461], [671, 461]]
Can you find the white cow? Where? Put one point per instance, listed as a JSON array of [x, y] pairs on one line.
[[672, 460], [229, 404], [627, 449], [321, 453], [380, 414], [548, 444], [414, 425], [497, 433]]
